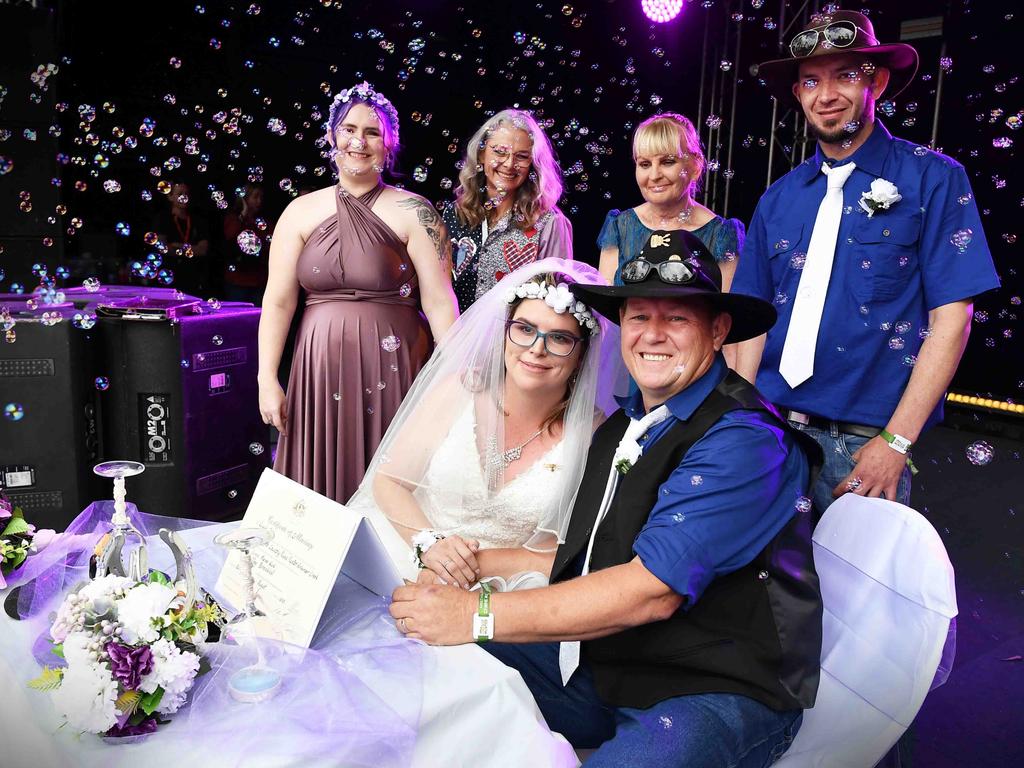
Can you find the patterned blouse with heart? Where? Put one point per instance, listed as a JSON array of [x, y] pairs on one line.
[[478, 266]]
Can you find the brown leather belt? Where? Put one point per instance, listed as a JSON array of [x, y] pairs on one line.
[[845, 427]]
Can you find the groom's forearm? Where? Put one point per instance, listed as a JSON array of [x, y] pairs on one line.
[[595, 605]]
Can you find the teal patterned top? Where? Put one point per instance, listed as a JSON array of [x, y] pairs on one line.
[[624, 230]]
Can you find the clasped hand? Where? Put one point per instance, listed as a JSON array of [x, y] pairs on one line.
[[453, 561]]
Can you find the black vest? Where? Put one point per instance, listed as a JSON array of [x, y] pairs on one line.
[[755, 632]]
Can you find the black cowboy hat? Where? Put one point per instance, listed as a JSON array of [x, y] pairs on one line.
[[690, 271], [850, 32]]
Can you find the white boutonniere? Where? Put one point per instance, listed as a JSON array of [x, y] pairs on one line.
[[626, 455], [882, 196]]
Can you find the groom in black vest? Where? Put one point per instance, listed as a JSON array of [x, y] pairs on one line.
[[686, 571]]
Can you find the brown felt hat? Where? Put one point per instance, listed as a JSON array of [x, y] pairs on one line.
[[834, 34]]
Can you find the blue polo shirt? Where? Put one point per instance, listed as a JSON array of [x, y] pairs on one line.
[[890, 269], [735, 490]]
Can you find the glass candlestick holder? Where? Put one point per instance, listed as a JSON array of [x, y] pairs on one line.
[[122, 532]]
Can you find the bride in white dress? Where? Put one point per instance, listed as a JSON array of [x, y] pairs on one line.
[[476, 476]]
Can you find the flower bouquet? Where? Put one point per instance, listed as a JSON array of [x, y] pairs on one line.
[[18, 538], [131, 653]]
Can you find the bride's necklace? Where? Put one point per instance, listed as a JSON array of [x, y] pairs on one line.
[[503, 459]]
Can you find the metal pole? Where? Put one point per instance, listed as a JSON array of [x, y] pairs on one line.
[[708, 143], [732, 117], [771, 142], [938, 97], [703, 69]]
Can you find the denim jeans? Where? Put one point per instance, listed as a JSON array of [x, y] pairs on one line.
[[711, 730], [839, 463]]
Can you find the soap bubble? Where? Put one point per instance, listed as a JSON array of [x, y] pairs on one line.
[[102, 383], [961, 239], [256, 449], [390, 343], [14, 411], [249, 242], [980, 453]]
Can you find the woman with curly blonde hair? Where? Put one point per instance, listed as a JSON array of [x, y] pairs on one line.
[[505, 213]]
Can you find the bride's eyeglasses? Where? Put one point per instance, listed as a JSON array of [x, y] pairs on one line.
[[557, 343]]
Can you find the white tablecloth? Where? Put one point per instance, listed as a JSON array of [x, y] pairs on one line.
[[475, 711]]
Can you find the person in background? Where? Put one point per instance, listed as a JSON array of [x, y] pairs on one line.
[[187, 238], [375, 266], [505, 213], [669, 166], [246, 245]]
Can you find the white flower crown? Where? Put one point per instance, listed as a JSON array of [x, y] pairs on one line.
[[559, 298], [365, 92]]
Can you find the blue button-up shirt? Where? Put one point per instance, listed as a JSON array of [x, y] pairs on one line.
[[890, 269], [735, 490]]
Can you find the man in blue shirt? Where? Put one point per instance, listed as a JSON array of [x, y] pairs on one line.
[[686, 571], [872, 251]]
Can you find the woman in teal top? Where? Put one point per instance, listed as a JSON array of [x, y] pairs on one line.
[[669, 165]]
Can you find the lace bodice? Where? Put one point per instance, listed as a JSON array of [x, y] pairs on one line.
[[455, 497]]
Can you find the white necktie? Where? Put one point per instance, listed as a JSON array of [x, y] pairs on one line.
[[569, 650], [797, 363]]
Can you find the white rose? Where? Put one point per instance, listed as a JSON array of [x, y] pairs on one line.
[[137, 609], [884, 193], [628, 450]]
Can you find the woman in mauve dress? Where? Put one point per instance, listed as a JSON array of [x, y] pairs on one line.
[[375, 264]]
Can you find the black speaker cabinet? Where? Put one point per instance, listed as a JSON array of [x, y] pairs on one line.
[[48, 427], [183, 400]]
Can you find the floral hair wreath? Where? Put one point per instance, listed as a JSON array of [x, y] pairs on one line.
[[560, 299], [364, 92]]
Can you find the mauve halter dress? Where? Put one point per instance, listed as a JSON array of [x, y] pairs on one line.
[[361, 342]]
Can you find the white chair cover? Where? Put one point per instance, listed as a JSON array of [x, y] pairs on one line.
[[889, 632]]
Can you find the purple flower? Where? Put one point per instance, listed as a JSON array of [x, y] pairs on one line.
[[147, 726], [128, 664]]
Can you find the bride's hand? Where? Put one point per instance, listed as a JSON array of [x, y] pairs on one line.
[[453, 559]]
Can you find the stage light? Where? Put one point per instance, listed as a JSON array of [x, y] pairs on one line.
[[660, 11], [986, 403]]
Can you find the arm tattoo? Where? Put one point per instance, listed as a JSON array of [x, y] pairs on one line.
[[432, 225]]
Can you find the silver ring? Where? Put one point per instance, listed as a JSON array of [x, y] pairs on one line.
[[854, 483], [402, 626]]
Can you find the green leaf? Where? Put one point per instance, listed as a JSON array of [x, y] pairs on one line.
[[58, 650], [14, 526], [49, 679], [150, 701], [155, 577], [19, 558]]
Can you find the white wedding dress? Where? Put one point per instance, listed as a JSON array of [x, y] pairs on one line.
[[453, 494]]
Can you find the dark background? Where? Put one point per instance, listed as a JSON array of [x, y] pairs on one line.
[[590, 70]]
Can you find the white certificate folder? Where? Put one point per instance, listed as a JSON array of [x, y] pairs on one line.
[[314, 540]]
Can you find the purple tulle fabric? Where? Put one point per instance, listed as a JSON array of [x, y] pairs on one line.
[[354, 697]]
